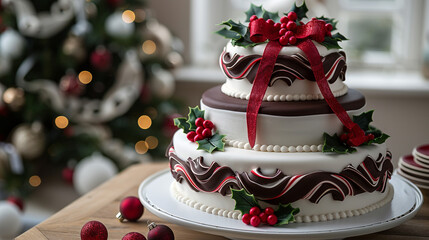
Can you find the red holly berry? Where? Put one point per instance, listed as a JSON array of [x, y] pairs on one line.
[[269, 211], [263, 217], [253, 18], [208, 124], [200, 130], [272, 219], [283, 40], [370, 137], [292, 16], [292, 40], [246, 218], [255, 211], [328, 27], [199, 122], [270, 21], [198, 137], [191, 135], [283, 25], [255, 221], [291, 25], [288, 34], [207, 133], [277, 25], [284, 19], [282, 31]]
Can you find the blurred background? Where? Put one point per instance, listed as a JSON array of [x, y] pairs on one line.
[[89, 87]]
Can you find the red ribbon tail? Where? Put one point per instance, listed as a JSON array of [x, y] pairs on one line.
[[260, 85], [314, 58]]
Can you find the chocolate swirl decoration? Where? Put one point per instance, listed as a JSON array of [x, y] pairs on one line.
[[371, 175], [287, 68]]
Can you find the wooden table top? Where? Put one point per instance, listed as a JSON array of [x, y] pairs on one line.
[[102, 204]]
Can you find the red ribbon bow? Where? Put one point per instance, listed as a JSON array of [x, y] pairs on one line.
[[260, 31]]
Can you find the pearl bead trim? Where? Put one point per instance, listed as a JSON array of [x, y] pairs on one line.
[[235, 214], [274, 148], [282, 98]]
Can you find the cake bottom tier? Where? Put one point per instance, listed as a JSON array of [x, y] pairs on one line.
[[325, 210]]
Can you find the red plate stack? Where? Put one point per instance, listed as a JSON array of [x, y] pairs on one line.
[[415, 167]]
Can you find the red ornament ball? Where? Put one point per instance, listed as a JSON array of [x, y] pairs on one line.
[[134, 236], [130, 209], [255, 221], [159, 232], [255, 211], [246, 218], [70, 85], [272, 219], [101, 59], [93, 230], [168, 127], [67, 174], [17, 201]]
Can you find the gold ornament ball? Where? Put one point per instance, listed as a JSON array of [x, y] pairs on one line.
[[14, 98], [73, 46], [29, 140]]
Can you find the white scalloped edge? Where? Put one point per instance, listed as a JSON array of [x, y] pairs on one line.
[[282, 98], [274, 148], [235, 214]]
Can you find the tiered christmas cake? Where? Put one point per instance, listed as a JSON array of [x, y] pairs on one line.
[[283, 139]]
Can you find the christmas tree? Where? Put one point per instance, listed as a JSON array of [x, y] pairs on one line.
[[82, 79]]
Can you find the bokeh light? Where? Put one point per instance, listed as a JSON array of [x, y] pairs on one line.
[[152, 142], [149, 47], [141, 147], [140, 15], [85, 77], [128, 16], [61, 122], [35, 181], [144, 122]]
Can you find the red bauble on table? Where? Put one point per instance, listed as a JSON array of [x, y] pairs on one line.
[[159, 232], [67, 174], [17, 201], [93, 230], [134, 236], [130, 209], [101, 59]]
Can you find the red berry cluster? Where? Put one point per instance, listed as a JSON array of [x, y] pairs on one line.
[[353, 140], [256, 217], [204, 130]]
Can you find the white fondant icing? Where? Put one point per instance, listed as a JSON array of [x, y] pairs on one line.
[[276, 130], [243, 160], [274, 148], [326, 210], [300, 90]]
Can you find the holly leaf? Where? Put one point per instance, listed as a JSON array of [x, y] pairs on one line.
[[228, 34], [270, 15], [379, 136], [330, 43], [334, 144], [339, 37], [363, 120], [239, 28], [213, 143], [182, 123], [300, 11], [254, 10], [243, 200], [194, 113], [285, 214]]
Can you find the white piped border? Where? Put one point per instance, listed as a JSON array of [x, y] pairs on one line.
[[235, 214], [274, 148], [284, 97]]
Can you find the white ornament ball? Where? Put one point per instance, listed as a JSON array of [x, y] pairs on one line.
[[116, 27], [29, 140], [162, 83], [93, 171], [10, 220], [11, 44]]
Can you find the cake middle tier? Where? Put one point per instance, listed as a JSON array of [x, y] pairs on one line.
[[281, 126]]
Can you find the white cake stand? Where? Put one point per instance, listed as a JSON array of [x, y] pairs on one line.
[[154, 193]]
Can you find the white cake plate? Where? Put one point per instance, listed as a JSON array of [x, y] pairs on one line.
[[155, 195]]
